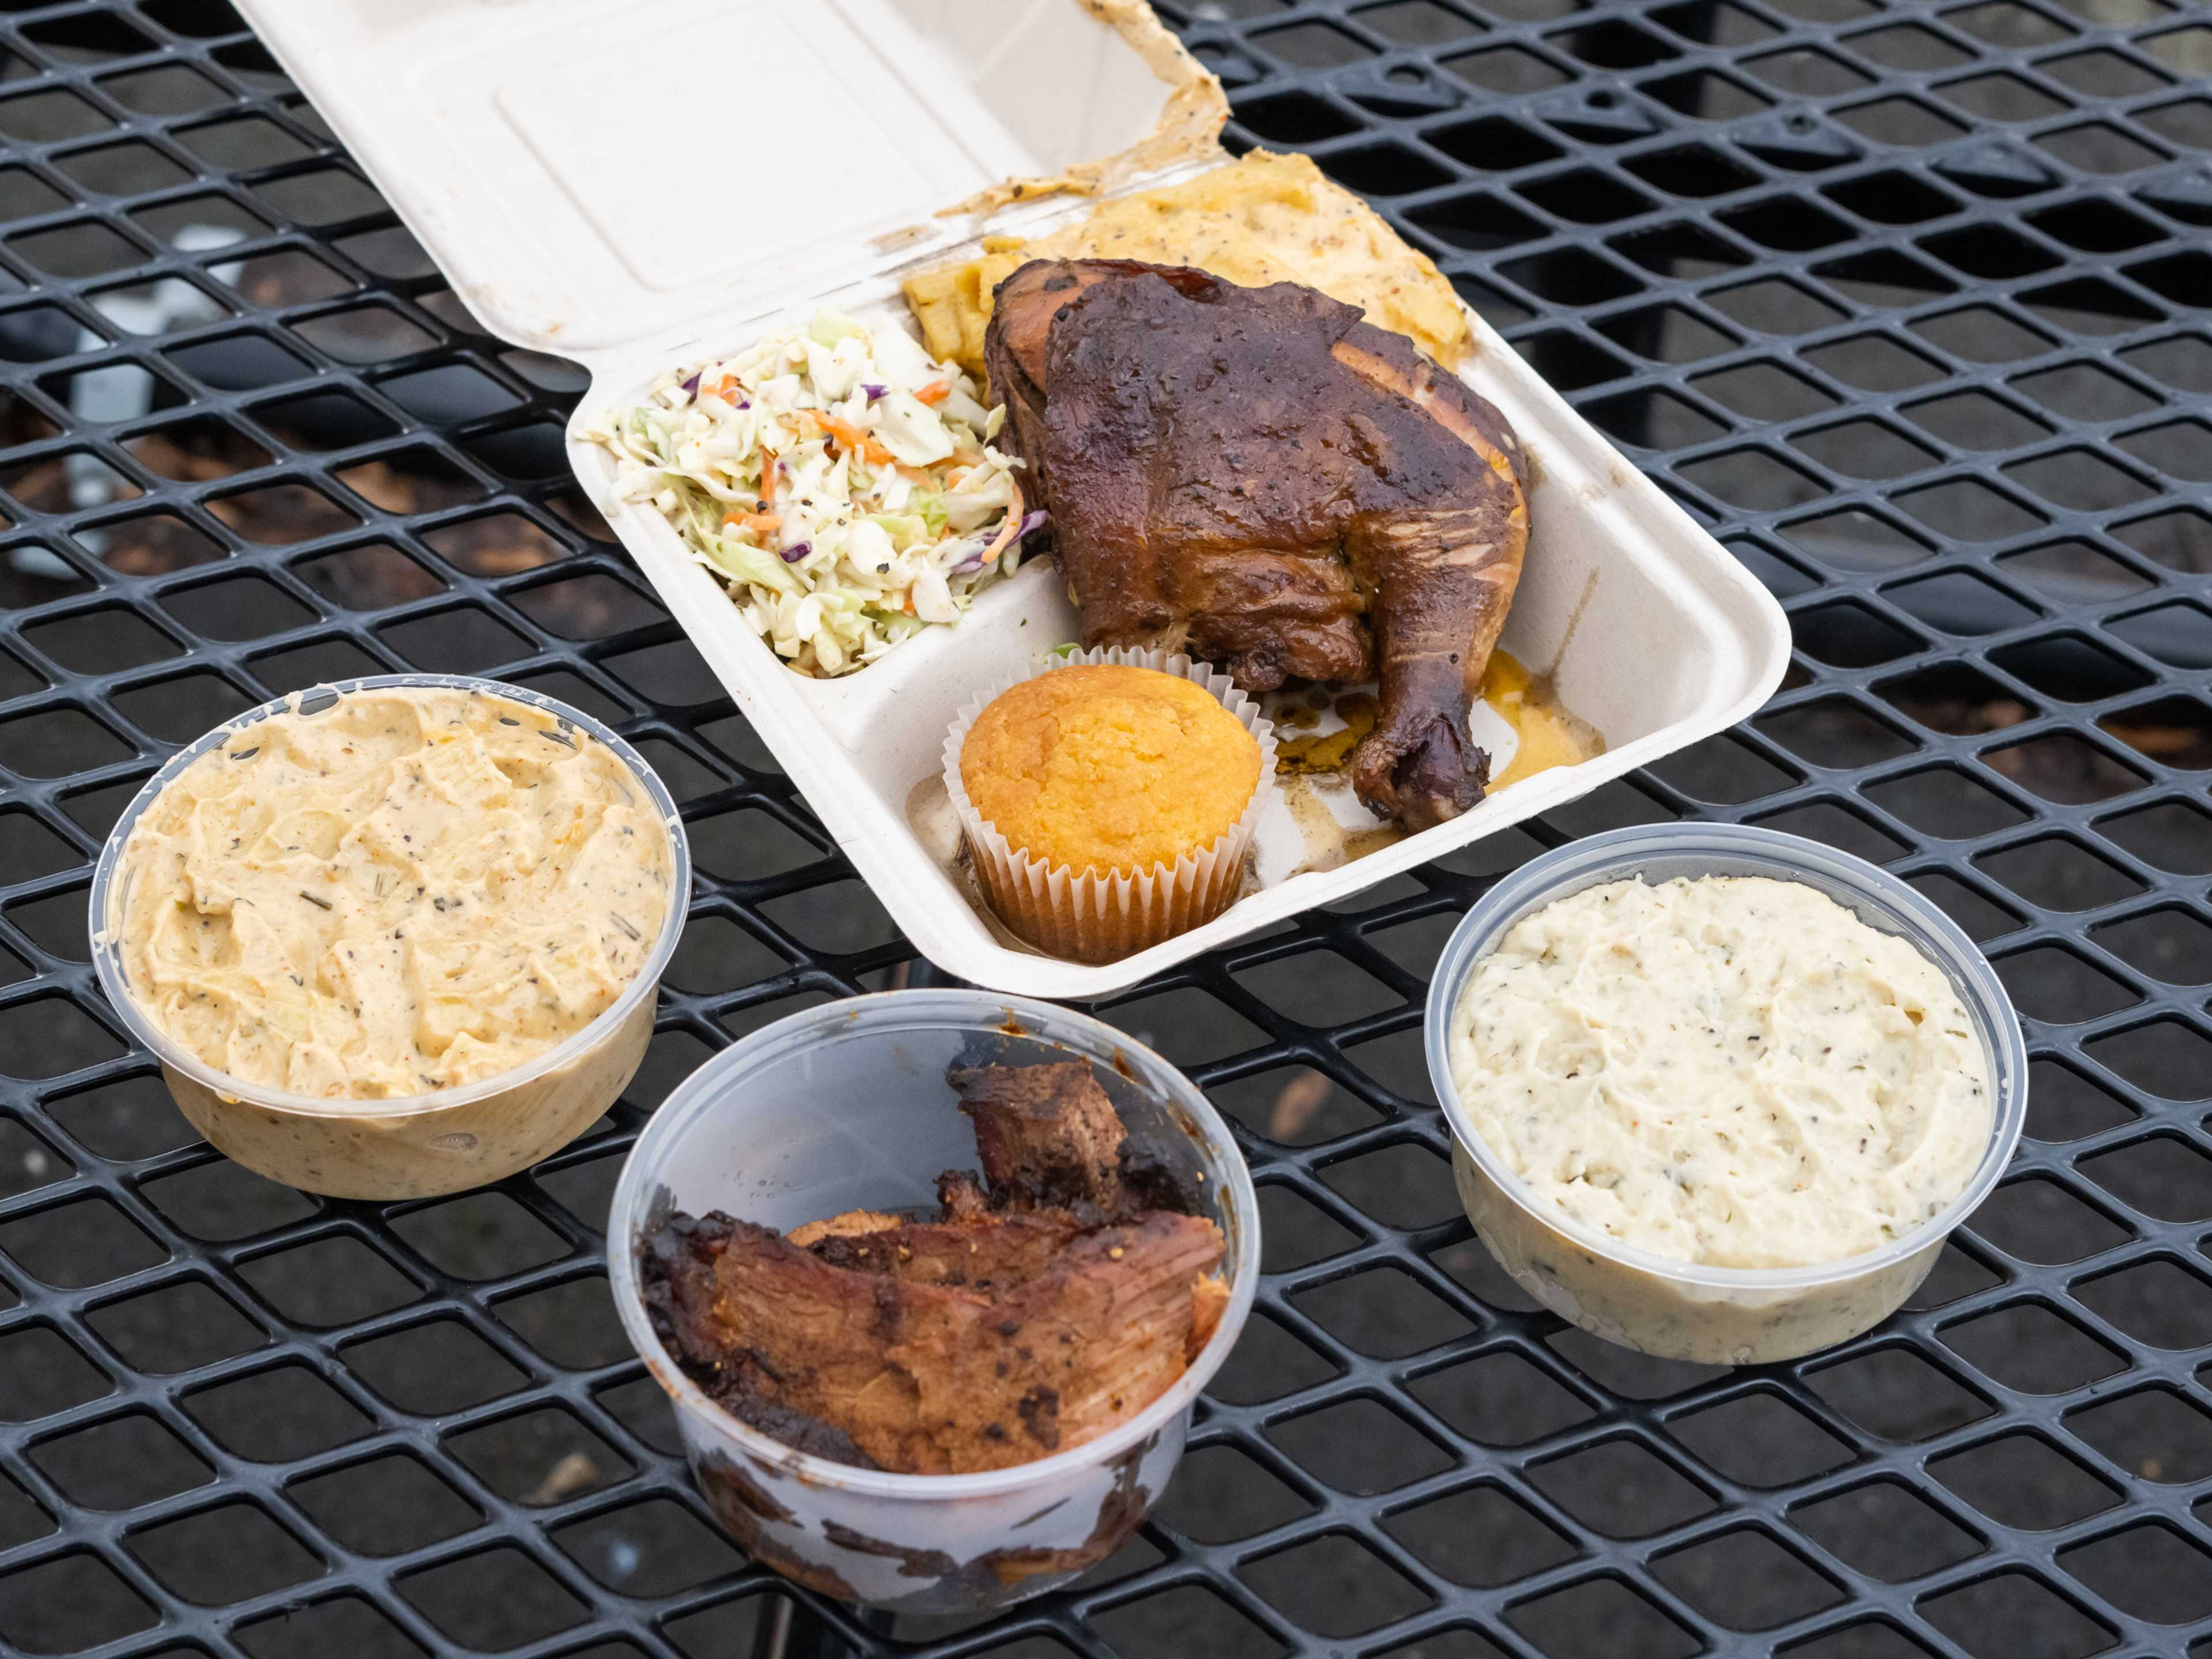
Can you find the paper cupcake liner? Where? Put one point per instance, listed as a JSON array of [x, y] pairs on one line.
[[1094, 918]]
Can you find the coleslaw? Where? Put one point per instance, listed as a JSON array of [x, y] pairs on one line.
[[840, 482]]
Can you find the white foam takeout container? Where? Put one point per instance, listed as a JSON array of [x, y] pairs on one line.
[[652, 186]]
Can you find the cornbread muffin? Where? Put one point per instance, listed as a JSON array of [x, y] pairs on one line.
[[1108, 803], [1109, 767]]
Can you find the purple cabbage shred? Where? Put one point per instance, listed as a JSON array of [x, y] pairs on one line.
[[1032, 523], [873, 391], [691, 385], [797, 551]]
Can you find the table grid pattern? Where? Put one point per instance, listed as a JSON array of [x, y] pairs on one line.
[[1907, 302]]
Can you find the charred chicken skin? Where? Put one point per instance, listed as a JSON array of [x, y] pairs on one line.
[[1259, 477]]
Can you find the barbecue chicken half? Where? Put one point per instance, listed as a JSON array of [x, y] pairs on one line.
[[1259, 477]]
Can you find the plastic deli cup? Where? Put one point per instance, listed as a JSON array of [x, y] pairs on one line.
[[1089, 917], [845, 1107], [413, 1145], [1680, 1309]]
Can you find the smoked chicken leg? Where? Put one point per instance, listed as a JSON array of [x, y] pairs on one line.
[[1259, 477]]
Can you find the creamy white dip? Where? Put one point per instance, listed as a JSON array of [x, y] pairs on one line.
[[421, 887], [1733, 1070]]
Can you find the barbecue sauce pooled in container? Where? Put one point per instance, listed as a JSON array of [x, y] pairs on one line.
[[1051, 1299]]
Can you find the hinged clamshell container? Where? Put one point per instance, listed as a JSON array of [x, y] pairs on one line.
[[649, 185]]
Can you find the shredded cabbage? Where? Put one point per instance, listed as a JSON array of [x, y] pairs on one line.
[[840, 482]]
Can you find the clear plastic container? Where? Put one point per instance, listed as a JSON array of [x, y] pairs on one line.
[[845, 1106], [1682, 1309], [417, 1145]]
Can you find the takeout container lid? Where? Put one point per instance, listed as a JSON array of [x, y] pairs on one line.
[[1660, 853], [594, 177], [546, 158]]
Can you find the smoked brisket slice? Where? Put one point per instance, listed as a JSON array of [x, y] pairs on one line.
[[988, 1252], [933, 1378], [1048, 1135], [678, 1282], [1056, 1295]]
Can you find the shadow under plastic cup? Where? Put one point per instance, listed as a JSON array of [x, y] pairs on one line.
[[1680, 1310], [845, 1106], [411, 1145]]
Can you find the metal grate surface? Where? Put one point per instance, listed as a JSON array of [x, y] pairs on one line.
[[1907, 302]]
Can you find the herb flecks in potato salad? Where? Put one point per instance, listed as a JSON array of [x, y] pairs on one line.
[[840, 481]]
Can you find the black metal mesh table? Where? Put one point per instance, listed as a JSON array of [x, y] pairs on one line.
[[1907, 302]]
